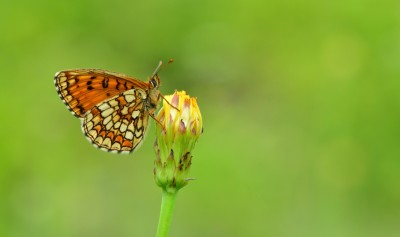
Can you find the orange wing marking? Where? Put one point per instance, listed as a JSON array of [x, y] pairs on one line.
[[83, 89], [117, 124]]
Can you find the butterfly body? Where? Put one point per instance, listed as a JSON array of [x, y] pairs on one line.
[[114, 108]]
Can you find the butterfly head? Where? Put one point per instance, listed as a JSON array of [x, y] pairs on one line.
[[154, 82]]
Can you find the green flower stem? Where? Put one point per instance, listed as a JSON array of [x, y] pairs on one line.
[[167, 208]]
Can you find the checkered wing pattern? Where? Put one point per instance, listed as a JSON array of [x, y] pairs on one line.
[[111, 106], [82, 89], [118, 124]]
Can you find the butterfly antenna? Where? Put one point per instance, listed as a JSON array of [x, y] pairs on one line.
[[160, 66]]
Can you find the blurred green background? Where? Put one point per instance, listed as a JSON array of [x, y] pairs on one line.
[[301, 109]]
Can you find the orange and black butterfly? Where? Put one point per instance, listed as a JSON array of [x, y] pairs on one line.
[[114, 108]]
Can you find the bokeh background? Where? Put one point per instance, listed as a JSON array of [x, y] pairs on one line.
[[300, 101]]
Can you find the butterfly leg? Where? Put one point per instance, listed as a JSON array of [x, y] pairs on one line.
[[163, 127], [169, 103]]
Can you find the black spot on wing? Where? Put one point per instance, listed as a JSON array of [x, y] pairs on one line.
[[81, 109], [104, 83]]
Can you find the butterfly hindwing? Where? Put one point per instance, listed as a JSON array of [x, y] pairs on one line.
[[117, 124]]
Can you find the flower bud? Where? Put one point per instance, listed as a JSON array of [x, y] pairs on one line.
[[179, 127]]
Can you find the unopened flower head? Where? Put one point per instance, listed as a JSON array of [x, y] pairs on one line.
[[179, 129]]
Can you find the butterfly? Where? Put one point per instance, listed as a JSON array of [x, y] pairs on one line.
[[114, 108]]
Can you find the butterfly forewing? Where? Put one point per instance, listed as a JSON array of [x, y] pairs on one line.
[[114, 108], [82, 89]]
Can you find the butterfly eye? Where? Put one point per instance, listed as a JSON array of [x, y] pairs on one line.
[[153, 82]]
